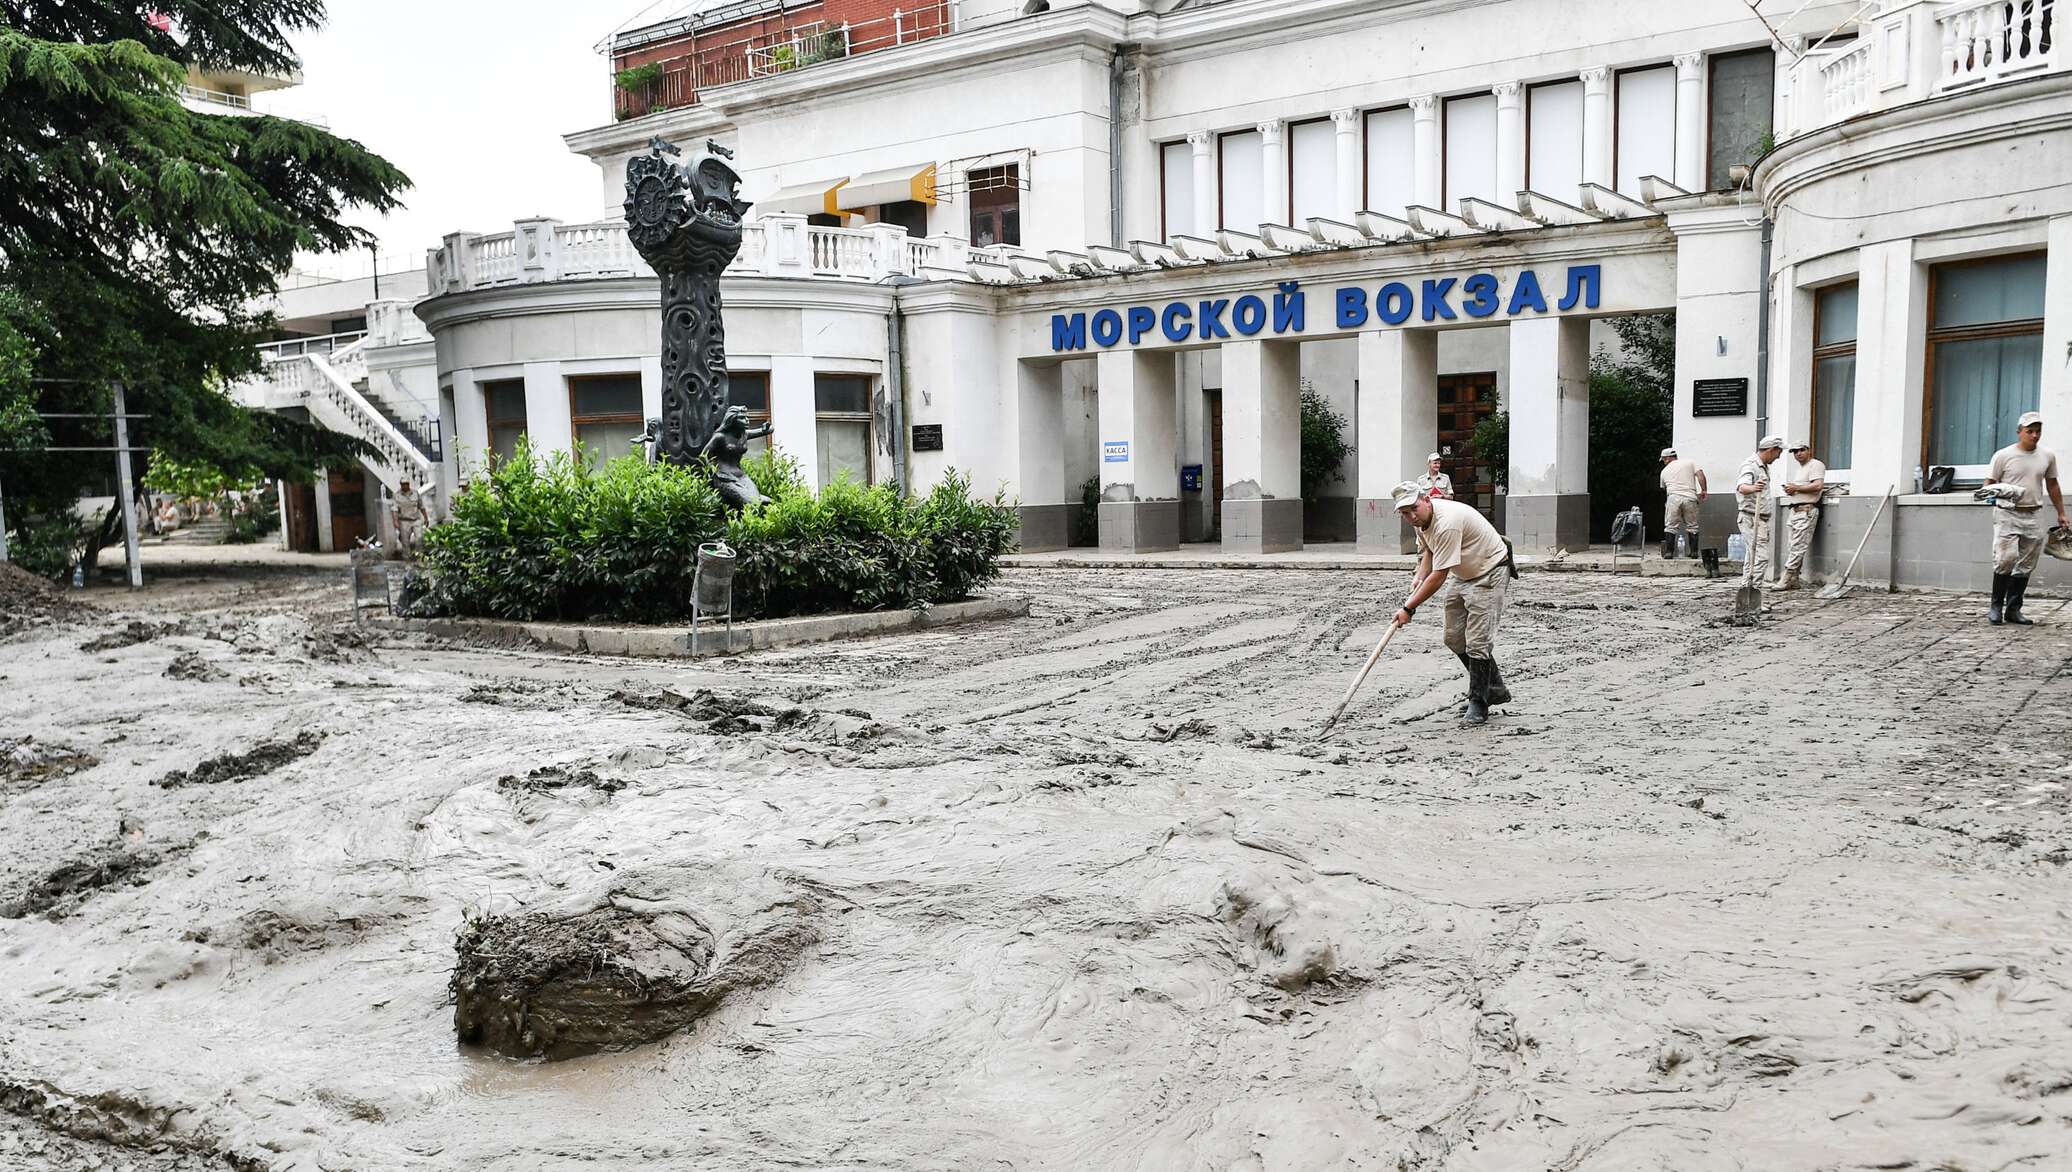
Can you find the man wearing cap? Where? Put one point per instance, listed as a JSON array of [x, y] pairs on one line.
[[1684, 482], [2032, 470], [1753, 488], [1802, 497], [1435, 483], [1462, 553]]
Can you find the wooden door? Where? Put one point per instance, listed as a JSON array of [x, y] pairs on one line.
[[1464, 401], [1212, 401]]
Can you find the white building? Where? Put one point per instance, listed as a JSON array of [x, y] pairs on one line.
[[1829, 196]]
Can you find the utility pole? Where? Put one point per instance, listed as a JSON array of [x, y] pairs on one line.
[[123, 496], [3, 527]]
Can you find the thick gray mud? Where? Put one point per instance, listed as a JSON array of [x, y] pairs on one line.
[[1076, 891]]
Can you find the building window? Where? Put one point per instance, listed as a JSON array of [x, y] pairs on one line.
[[996, 205], [1646, 140], [910, 214], [1834, 375], [604, 414], [503, 406], [1554, 139], [1741, 99], [1241, 179], [1470, 150], [751, 389], [1312, 170], [1985, 356], [1176, 178], [1391, 170], [842, 426]]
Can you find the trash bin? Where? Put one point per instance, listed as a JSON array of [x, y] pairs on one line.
[[712, 588]]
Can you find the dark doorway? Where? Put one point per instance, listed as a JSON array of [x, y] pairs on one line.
[[1212, 402], [1464, 401]]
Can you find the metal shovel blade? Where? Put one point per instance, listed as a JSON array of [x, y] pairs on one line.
[[1833, 591], [1748, 604]]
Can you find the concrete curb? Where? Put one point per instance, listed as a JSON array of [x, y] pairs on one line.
[[1652, 569], [675, 642]]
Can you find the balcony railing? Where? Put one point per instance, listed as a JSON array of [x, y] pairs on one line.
[[208, 97], [1922, 51], [778, 245], [317, 344]]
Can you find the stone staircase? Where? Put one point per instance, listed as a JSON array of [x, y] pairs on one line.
[[328, 386], [209, 531]]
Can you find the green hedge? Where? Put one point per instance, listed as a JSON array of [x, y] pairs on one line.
[[559, 538]]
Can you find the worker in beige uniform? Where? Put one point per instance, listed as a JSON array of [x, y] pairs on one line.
[[1752, 485], [1684, 483], [407, 512], [2026, 472], [1462, 553], [1802, 496], [1434, 482]]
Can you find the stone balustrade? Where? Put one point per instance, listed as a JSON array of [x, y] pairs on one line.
[[1910, 52], [537, 251]]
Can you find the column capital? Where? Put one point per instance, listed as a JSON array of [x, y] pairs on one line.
[[1507, 93], [1270, 132], [1424, 106], [1200, 139], [1346, 120], [1598, 78], [1689, 63]]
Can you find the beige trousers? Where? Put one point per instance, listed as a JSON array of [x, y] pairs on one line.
[[1681, 516], [1755, 535], [1473, 610], [1804, 520], [2017, 540]]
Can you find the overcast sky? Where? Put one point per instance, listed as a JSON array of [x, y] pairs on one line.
[[470, 99]]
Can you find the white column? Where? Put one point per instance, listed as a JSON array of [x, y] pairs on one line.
[[1351, 177], [1425, 164], [1139, 469], [1274, 162], [323, 487], [1262, 446], [1205, 201], [791, 414], [1510, 142], [1891, 348], [547, 425], [1036, 436], [2054, 398], [280, 491], [1690, 121], [1549, 402], [1597, 127], [1396, 421]]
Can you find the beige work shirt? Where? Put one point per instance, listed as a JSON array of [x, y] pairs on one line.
[[1680, 478], [1754, 471], [2025, 470], [1460, 539], [409, 507], [1442, 482], [1807, 473]]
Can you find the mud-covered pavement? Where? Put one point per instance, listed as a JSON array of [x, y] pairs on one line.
[[1083, 891]]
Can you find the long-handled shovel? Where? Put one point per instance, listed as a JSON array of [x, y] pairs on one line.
[[1840, 588], [1359, 679]]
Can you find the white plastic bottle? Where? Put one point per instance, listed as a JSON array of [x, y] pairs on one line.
[[1736, 548]]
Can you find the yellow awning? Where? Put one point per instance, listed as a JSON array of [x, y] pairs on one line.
[[805, 198], [888, 186]]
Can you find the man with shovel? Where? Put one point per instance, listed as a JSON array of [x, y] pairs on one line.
[[1461, 552], [1753, 488], [2029, 472]]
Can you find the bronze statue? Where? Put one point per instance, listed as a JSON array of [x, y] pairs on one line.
[[729, 443], [685, 220]]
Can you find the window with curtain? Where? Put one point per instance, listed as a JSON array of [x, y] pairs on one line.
[[1646, 138], [1470, 150], [1554, 139], [604, 414], [1312, 170], [503, 407], [1241, 168], [1740, 102], [996, 205], [751, 389], [842, 426], [1391, 147], [1985, 356], [1834, 375], [1176, 170]]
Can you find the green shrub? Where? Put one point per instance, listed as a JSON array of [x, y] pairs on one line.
[[1324, 446], [555, 538], [47, 547], [640, 75]]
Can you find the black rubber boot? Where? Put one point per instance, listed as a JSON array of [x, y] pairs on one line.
[[1498, 693], [1477, 710], [1668, 546], [2017, 590], [1999, 597]]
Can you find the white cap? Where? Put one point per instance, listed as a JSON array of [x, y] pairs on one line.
[[1769, 441], [1798, 446], [1406, 494], [1668, 453], [1432, 457], [2028, 418]]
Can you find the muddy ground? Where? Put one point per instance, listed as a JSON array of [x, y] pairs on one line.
[[1083, 890]]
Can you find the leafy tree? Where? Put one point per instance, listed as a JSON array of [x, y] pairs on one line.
[[1323, 443], [137, 235]]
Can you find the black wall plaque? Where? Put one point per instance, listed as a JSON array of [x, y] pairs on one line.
[[1719, 396], [928, 437]]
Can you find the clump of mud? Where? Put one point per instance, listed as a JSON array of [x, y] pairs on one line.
[[719, 712], [548, 778], [263, 758], [129, 635], [148, 1135], [191, 665], [274, 936], [27, 763], [28, 601], [542, 986], [58, 892]]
